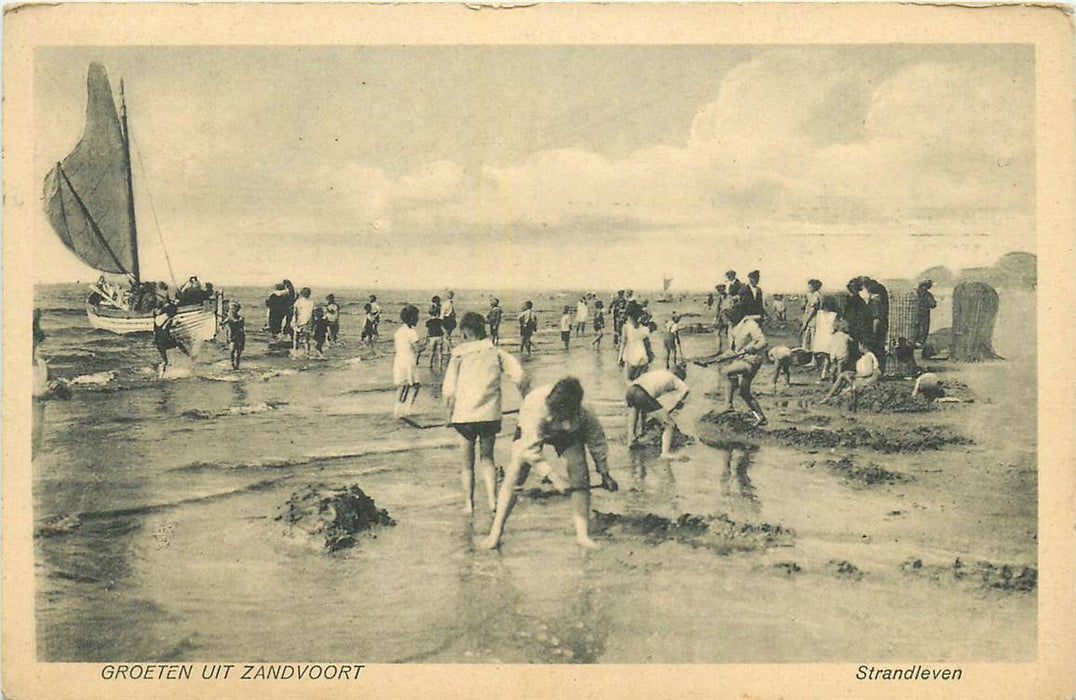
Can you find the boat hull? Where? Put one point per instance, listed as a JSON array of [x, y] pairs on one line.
[[195, 322]]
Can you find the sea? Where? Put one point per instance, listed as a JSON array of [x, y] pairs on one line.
[[157, 538]]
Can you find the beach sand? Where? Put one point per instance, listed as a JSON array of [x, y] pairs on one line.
[[155, 505]]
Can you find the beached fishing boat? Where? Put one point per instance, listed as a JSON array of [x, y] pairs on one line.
[[89, 200]]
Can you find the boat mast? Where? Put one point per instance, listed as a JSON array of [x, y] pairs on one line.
[[130, 185]]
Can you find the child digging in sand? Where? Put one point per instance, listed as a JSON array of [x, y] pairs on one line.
[[472, 393], [404, 366], [868, 371], [643, 402], [555, 415]]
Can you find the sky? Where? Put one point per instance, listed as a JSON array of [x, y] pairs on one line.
[[572, 166]]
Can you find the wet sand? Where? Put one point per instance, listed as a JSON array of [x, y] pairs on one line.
[[157, 537]]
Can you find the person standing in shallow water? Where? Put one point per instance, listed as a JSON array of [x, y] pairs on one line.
[[448, 317], [235, 333], [332, 317], [555, 415], [472, 394], [493, 318], [405, 364], [528, 324], [163, 335]]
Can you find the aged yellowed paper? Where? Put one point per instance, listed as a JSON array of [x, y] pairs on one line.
[[612, 350]]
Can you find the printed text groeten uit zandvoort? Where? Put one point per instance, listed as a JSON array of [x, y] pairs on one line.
[[245, 672]]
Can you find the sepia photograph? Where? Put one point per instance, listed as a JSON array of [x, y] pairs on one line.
[[533, 353]]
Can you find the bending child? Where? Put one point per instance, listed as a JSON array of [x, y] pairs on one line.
[[643, 399], [555, 415], [472, 393]]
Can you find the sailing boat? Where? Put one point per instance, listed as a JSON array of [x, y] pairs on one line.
[[666, 284], [89, 200]]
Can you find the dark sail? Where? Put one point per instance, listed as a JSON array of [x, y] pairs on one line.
[[87, 199]]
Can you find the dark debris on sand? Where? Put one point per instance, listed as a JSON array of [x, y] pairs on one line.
[[337, 514], [1017, 579], [886, 397], [869, 475], [719, 429], [718, 533]]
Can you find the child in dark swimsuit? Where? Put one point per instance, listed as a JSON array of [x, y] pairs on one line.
[[235, 332], [320, 329], [163, 322]]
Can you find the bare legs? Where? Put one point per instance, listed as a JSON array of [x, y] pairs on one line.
[[486, 468]]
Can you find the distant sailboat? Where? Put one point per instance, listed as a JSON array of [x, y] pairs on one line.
[[89, 200], [666, 284]]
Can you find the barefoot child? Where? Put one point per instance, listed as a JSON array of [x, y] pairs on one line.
[[599, 325], [566, 326], [435, 335], [368, 333], [868, 371], [493, 318], [235, 333], [528, 324], [332, 316], [555, 415], [674, 349], [404, 366], [472, 393], [742, 361], [781, 357], [319, 327], [643, 402]]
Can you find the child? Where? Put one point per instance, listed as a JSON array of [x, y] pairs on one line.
[[674, 350], [472, 393], [743, 360], [235, 332], [404, 366], [493, 318], [635, 352], [838, 354], [781, 357], [332, 316], [581, 314], [566, 326], [448, 317], [599, 325], [302, 314], [555, 415], [163, 322], [320, 329], [368, 327], [643, 401], [867, 372], [435, 335], [528, 324], [375, 316]]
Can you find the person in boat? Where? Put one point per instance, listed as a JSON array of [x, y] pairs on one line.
[[164, 334], [332, 317], [208, 293], [235, 332], [555, 415], [190, 292]]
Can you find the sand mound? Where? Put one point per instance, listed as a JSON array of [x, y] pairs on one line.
[[719, 533], [869, 475], [337, 515], [720, 429], [887, 397], [1005, 577]]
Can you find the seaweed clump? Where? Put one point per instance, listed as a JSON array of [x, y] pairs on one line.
[[338, 515]]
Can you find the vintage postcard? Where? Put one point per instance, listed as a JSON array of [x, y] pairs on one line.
[[615, 350]]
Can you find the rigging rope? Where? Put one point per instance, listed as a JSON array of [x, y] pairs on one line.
[[153, 209]]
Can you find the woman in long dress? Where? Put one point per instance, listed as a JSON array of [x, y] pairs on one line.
[[825, 325]]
